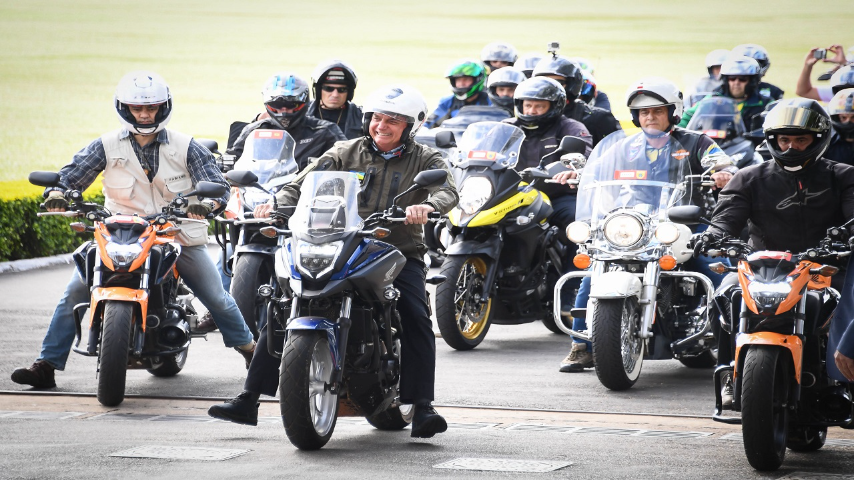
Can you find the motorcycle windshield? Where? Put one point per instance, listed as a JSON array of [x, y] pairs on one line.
[[629, 173], [492, 144], [268, 154], [717, 117], [328, 205]]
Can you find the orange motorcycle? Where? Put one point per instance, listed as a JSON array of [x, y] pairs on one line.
[[779, 313], [139, 313]]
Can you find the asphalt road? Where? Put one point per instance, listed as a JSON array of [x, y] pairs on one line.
[[506, 402]]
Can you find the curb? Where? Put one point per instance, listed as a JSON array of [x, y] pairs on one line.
[[35, 263]]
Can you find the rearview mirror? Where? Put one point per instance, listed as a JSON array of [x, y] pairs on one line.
[[241, 178], [686, 215], [570, 144], [208, 143], [44, 179], [431, 178], [445, 139], [209, 190]]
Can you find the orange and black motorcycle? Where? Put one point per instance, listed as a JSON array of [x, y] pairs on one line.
[[779, 314], [139, 313]]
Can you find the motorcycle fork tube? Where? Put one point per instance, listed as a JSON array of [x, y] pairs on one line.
[[344, 323], [649, 292]]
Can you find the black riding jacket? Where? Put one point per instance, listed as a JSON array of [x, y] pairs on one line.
[[599, 122], [349, 121], [786, 211]]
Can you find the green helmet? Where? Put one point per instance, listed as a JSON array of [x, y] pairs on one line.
[[467, 68]]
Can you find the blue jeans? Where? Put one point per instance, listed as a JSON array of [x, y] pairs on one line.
[[226, 280], [197, 270], [563, 213]]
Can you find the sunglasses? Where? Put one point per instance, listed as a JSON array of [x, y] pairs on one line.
[[328, 89], [738, 79]]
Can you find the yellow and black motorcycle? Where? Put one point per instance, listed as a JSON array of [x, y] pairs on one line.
[[503, 258]]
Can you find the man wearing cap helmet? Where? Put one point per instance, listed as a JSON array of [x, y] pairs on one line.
[[388, 159], [333, 85]]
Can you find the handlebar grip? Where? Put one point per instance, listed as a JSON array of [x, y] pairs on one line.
[[434, 215]]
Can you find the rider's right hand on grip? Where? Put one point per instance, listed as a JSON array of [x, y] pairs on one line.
[[701, 242], [55, 201]]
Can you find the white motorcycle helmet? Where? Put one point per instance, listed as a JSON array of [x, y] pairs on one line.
[[842, 79], [716, 58], [398, 101], [756, 52], [143, 87], [655, 92]]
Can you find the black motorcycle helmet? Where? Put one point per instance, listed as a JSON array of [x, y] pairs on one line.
[[333, 71], [797, 116], [503, 77], [842, 103], [565, 68], [285, 90], [539, 88]]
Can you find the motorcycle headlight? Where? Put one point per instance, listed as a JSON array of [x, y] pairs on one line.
[[474, 193], [123, 255], [768, 296], [578, 232], [623, 230], [667, 232], [316, 259]]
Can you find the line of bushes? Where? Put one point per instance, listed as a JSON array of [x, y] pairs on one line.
[[25, 235]]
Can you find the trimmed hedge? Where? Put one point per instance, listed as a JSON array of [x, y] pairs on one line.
[[25, 235]]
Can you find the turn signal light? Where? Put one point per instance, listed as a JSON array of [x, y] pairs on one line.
[[581, 261], [380, 233], [718, 268], [667, 262], [828, 270], [78, 227], [269, 232]]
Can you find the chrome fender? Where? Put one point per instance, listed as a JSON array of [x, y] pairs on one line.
[[616, 285], [681, 252]]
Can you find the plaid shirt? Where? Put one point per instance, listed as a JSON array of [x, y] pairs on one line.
[[92, 160]]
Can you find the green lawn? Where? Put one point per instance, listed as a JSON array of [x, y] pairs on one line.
[[60, 59]]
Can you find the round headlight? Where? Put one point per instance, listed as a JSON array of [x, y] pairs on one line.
[[623, 230], [578, 232], [667, 232]]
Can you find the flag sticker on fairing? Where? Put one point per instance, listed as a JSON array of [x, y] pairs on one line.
[[268, 133], [629, 174], [481, 155]]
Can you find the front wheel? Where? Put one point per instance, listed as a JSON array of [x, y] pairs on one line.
[[764, 407], [113, 359], [309, 409], [617, 345], [461, 313], [251, 270]]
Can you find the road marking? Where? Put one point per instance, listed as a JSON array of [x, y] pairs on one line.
[[504, 465], [172, 452]]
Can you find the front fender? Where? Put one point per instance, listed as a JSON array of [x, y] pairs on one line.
[[792, 343], [319, 323], [615, 285], [490, 248]]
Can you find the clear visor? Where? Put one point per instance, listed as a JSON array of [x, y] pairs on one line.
[[392, 116], [842, 102], [796, 118]]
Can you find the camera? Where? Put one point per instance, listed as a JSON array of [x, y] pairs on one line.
[[553, 47], [820, 54]]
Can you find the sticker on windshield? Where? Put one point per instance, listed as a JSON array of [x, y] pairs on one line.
[[680, 154], [269, 134], [481, 155], [629, 174]]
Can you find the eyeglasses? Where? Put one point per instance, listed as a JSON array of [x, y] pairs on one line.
[[739, 79], [329, 89]]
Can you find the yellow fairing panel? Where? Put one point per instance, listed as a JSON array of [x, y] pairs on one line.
[[522, 198]]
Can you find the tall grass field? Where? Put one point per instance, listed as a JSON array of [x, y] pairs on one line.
[[61, 59]]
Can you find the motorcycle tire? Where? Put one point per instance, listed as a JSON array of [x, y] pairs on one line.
[[113, 359], [549, 322], [250, 272], [616, 324], [168, 365], [395, 418], [764, 415], [707, 359], [463, 320], [309, 410], [807, 439]]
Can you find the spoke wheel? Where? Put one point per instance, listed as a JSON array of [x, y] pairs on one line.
[[617, 346], [462, 316]]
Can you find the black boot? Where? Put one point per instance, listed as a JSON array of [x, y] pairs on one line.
[[426, 422], [242, 409], [39, 375]]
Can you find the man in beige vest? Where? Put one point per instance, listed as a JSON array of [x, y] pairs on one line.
[[145, 166]]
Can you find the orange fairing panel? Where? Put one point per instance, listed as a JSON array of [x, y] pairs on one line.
[[743, 271], [790, 342], [121, 294]]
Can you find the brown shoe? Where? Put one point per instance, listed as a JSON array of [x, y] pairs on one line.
[[39, 375], [247, 354], [206, 324], [577, 360]]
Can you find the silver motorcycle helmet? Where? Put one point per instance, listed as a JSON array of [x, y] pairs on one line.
[[797, 116], [756, 52], [715, 58], [399, 101], [527, 62], [739, 65], [842, 104], [842, 79], [143, 87], [503, 77], [285, 90], [498, 52], [655, 92]]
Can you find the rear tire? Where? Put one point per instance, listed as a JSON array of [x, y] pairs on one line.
[[462, 318], [807, 439], [707, 359], [764, 412], [168, 365], [250, 272], [617, 348], [113, 358], [395, 418], [309, 410]]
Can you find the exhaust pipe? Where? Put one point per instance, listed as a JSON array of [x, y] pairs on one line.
[[174, 330]]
